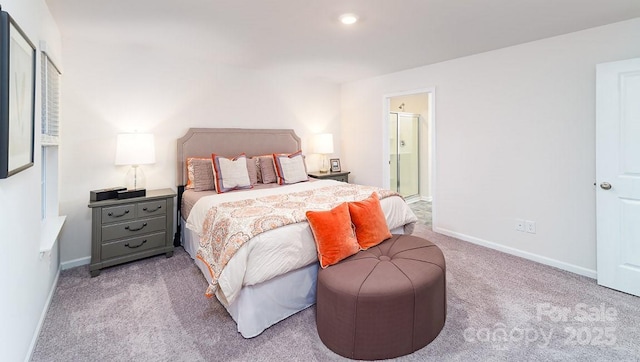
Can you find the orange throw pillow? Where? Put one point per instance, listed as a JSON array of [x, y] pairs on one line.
[[371, 225], [334, 236]]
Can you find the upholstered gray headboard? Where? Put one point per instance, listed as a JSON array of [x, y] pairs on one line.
[[230, 142]]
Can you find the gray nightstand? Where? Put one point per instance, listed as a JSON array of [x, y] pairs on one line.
[[338, 176], [131, 229]]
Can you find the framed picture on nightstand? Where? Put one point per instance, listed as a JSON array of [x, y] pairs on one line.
[[335, 165]]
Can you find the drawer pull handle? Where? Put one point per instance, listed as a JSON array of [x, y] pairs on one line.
[[140, 228], [137, 246], [154, 210], [121, 215]]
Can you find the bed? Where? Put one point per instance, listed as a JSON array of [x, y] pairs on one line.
[[273, 274]]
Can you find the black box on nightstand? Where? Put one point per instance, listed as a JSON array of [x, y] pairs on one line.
[[127, 194], [105, 194]]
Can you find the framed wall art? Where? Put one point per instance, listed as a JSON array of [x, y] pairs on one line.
[[17, 97]]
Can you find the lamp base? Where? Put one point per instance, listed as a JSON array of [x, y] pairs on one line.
[[325, 165], [135, 179]]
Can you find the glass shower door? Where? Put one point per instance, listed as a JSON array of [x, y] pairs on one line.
[[404, 149], [393, 151]]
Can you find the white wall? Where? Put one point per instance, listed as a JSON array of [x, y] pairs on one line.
[[25, 279], [109, 87], [515, 138]]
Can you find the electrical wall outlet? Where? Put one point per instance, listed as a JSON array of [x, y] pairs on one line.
[[530, 226], [520, 225]]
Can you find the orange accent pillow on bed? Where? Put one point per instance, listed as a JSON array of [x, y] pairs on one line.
[[334, 236], [368, 218]]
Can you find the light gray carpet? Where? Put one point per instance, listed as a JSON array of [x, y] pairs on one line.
[[155, 310]]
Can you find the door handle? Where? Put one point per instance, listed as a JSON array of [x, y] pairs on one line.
[[605, 186]]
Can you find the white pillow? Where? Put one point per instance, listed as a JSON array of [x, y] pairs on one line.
[[230, 174], [290, 168]]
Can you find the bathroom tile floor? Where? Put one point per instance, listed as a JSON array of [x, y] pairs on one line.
[[422, 209]]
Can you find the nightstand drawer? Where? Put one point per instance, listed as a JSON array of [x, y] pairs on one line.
[[118, 213], [342, 178], [132, 245], [152, 208], [133, 228]]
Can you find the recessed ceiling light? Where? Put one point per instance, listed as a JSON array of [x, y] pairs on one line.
[[348, 19]]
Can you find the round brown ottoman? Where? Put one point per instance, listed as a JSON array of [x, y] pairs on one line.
[[384, 302]]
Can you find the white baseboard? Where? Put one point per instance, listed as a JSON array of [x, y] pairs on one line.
[[43, 315], [75, 262], [426, 198], [523, 254]]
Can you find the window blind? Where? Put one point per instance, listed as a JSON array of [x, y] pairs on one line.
[[50, 102]]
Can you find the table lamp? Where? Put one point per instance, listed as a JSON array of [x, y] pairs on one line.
[[323, 144], [135, 149]]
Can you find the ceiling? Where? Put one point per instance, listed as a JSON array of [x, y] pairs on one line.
[[305, 38]]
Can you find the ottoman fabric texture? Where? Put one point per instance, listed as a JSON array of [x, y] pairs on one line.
[[384, 302]]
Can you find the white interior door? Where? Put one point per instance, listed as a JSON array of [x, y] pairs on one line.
[[618, 175]]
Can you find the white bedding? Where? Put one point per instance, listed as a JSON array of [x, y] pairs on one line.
[[277, 251], [257, 307]]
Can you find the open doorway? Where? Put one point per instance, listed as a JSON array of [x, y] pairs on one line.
[[409, 145]]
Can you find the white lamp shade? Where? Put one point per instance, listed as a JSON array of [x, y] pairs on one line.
[[135, 149], [323, 143]]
